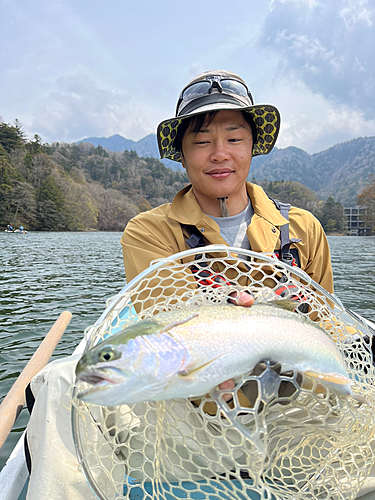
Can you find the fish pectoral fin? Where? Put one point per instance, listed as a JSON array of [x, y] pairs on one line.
[[178, 322], [332, 378], [194, 369]]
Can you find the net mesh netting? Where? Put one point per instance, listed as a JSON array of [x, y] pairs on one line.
[[300, 443]]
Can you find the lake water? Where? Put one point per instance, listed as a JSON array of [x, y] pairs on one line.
[[43, 274]]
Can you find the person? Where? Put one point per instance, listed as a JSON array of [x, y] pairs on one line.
[[215, 133]]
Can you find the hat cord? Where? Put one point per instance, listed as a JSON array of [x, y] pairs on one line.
[[224, 207]]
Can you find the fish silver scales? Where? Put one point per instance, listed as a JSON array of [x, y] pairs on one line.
[[188, 352]]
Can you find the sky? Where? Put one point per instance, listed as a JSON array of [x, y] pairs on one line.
[[78, 68]]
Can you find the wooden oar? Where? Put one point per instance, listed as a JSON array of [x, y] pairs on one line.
[[14, 401]]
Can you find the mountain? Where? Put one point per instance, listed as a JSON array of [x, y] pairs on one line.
[[114, 143], [289, 164], [344, 169], [145, 148], [340, 171]]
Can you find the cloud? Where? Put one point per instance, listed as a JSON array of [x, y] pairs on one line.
[[328, 46], [79, 106], [313, 123]]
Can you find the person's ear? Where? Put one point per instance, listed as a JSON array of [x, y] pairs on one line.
[[183, 161]]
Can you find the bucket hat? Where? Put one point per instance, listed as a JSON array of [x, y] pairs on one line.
[[217, 90]]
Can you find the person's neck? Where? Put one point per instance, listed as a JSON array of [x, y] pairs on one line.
[[235, 203]]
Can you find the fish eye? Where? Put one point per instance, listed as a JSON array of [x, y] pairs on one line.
[[108, 353]]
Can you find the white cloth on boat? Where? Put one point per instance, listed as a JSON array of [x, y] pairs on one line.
[[56, 472]]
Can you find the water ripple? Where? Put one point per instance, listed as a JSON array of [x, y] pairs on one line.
[[41, 275]]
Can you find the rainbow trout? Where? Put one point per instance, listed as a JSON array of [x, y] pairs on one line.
[[186, 353]]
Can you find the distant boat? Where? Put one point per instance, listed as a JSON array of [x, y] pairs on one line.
[[16, 231]]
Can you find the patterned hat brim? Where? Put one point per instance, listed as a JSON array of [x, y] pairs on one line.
[[265, 117]]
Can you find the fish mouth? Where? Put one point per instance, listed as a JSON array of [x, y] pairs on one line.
[[92, 390], [97, 377], [93, 378]]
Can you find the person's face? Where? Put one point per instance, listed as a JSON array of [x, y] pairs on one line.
[[217, 158]]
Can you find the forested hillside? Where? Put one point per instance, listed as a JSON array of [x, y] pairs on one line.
[[69, 187]]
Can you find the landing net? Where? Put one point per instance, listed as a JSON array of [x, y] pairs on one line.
[[318, 444]]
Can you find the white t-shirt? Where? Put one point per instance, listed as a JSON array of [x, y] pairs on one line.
[[233, 229]]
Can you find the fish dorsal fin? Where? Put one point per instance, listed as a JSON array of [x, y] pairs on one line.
[[148, 327], [141, 328], [178, 322], [288, 304]]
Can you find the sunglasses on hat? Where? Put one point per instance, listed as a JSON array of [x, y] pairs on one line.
[[224, 85]]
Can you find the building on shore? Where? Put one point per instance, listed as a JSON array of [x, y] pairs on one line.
[[357, 221]]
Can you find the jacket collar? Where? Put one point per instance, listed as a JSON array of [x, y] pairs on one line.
[[186, 210]]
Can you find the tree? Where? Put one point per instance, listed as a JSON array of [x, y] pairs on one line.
[[11, 136], [114, 214], [41, 168], [23, 205], [7, 172], [333, 216], [367, 199], [101, 151], [330, 226], [80, 212], [33, 147], [50, 203], [294, 193]]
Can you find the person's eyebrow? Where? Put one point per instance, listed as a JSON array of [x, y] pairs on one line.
[[228, 129], [234, 127], [201, 131]]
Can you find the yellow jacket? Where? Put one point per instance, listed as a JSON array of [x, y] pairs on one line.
[[158, 233]]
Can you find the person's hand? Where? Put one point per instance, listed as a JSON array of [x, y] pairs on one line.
[[227, 385], [244, 299]]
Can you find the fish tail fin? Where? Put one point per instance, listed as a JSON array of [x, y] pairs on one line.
[[360, 399]]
